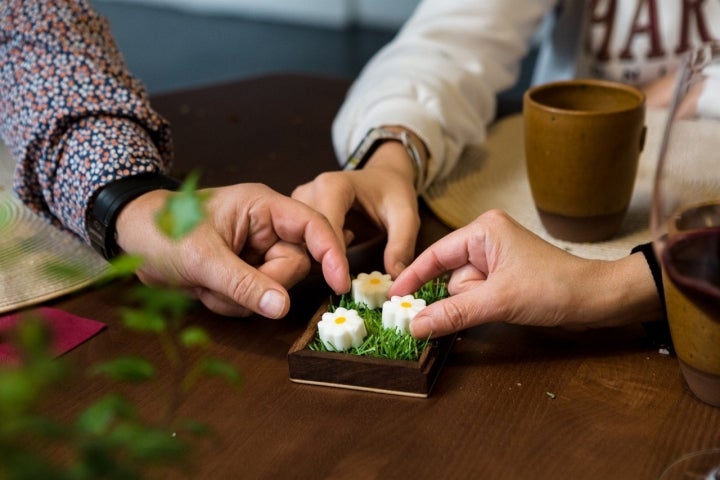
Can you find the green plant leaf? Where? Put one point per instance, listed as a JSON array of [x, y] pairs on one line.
[[22, 464], [127, 369], [194, 427], [32, 424], [157, 299], [65, 270], [183, 211], [17, 392], [144, 320], [194, 337], [218, 368], [98, 418], [121, 267], [33, 336], [125, 265], [149, 444]]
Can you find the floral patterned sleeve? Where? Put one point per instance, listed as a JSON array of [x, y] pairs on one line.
[[73, 116]]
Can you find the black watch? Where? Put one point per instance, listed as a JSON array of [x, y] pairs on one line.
[[108, 203]]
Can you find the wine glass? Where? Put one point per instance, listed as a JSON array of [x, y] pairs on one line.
[[700, 465], [685, 220]]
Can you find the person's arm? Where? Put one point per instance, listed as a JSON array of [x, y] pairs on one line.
[[502, 272], [75, 119], [440, 75], [84, 135], [437, 82]]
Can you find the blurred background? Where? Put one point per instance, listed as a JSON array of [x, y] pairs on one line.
[[172, 44], [177, 44]]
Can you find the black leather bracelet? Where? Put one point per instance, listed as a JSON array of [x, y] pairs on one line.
[[110, 200], [658, 331]]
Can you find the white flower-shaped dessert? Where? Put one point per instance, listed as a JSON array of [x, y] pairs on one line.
[[398, 312], [371, 288], [341, 329]]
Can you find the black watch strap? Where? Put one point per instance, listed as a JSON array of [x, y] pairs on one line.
[[658, 331], [114, 196]]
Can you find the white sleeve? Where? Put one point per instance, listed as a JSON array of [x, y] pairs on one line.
[[709, 100], [441, 74]]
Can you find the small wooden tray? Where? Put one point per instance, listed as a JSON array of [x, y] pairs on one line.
[[342, 370]]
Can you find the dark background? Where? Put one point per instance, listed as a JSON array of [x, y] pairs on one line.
[[171, 49]]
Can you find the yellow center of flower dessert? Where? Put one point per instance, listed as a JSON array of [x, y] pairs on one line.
[[398, 312], [341, 329], [371, 288]]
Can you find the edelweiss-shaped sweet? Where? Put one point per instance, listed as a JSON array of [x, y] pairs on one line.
[[341, 329], [398, 312], [371, 289]]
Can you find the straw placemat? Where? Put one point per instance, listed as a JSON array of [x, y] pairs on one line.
[[29, 246], [494, 175]]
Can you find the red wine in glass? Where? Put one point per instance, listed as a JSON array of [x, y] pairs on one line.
[[691, 266]]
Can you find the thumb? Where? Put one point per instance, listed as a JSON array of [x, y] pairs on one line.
[[451, 315], [245, 285]]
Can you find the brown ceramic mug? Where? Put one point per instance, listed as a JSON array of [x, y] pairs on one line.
[[583, 140]]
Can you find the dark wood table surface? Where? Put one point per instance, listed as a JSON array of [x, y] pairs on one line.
[[512, 402]]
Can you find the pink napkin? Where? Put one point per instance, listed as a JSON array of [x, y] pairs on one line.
[[68, 332]]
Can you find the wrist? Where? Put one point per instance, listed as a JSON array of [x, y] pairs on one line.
[[136, 225], [392, 156], [111, 199], [627, 293], [413, 152]]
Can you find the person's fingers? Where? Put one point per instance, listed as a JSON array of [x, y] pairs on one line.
[[455, 313], [403, 224], [330, 252], [286, 263], [295, 222], [220, 304], [220, 270], [448, 253], [330, 195], [659, 93], [465, 278]]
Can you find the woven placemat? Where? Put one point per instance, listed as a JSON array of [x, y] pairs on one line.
[[30, 248], [493, 175]]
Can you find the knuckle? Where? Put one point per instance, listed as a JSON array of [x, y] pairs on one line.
[[448, 318], [240, 288]]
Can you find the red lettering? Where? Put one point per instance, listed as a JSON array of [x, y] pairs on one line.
[[606, 19], [692, 9], [650, 29]]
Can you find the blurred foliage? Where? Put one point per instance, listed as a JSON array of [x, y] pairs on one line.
[[183, 211], [109, 439]]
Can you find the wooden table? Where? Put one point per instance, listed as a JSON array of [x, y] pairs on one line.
[[512, 402]]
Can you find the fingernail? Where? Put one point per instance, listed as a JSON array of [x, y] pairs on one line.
[[272, 304]]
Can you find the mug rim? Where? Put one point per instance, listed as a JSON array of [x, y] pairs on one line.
[[593, 82]]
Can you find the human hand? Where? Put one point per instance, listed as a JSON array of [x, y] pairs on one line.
[[503, 272], [384, 190], [248, 250], [659, 94]]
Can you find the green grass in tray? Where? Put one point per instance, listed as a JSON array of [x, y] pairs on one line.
[[386, 342]]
